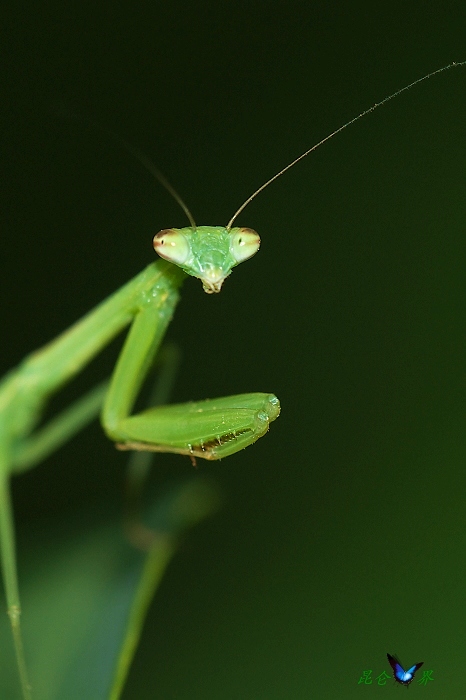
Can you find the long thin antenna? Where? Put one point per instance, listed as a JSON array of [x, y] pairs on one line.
[[62, 111], [337, 131], [152, 168]]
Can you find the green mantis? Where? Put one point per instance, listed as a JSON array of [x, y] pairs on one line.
[[207, 429]]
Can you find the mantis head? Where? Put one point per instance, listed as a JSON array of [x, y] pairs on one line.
[[210, 252], [207, 252]]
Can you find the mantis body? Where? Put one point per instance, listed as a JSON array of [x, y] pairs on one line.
[[209, 429]]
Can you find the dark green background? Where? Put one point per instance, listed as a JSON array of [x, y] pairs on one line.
[[343, 532]]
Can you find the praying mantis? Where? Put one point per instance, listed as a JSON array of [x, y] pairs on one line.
[[210, 429]]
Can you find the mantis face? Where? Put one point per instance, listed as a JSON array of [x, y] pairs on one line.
[[207, 252]]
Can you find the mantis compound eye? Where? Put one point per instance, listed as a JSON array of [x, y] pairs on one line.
[[244, 243], [172, 245]]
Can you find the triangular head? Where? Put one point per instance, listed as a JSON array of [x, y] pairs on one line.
[[207, 252]]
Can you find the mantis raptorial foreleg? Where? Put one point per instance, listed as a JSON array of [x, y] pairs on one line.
[[209, 429]]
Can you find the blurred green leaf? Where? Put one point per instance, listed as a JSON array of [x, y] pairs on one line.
[[85, 596]]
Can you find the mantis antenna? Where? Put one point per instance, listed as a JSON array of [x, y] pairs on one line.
[[334, 133], [62, 111], [149, 165]]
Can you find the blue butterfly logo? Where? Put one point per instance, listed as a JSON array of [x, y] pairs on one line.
[[400, 675]]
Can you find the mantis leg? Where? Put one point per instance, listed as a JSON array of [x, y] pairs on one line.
[[9, 567], [25, 391], [140, 463], [208, 429], [60, 429]]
